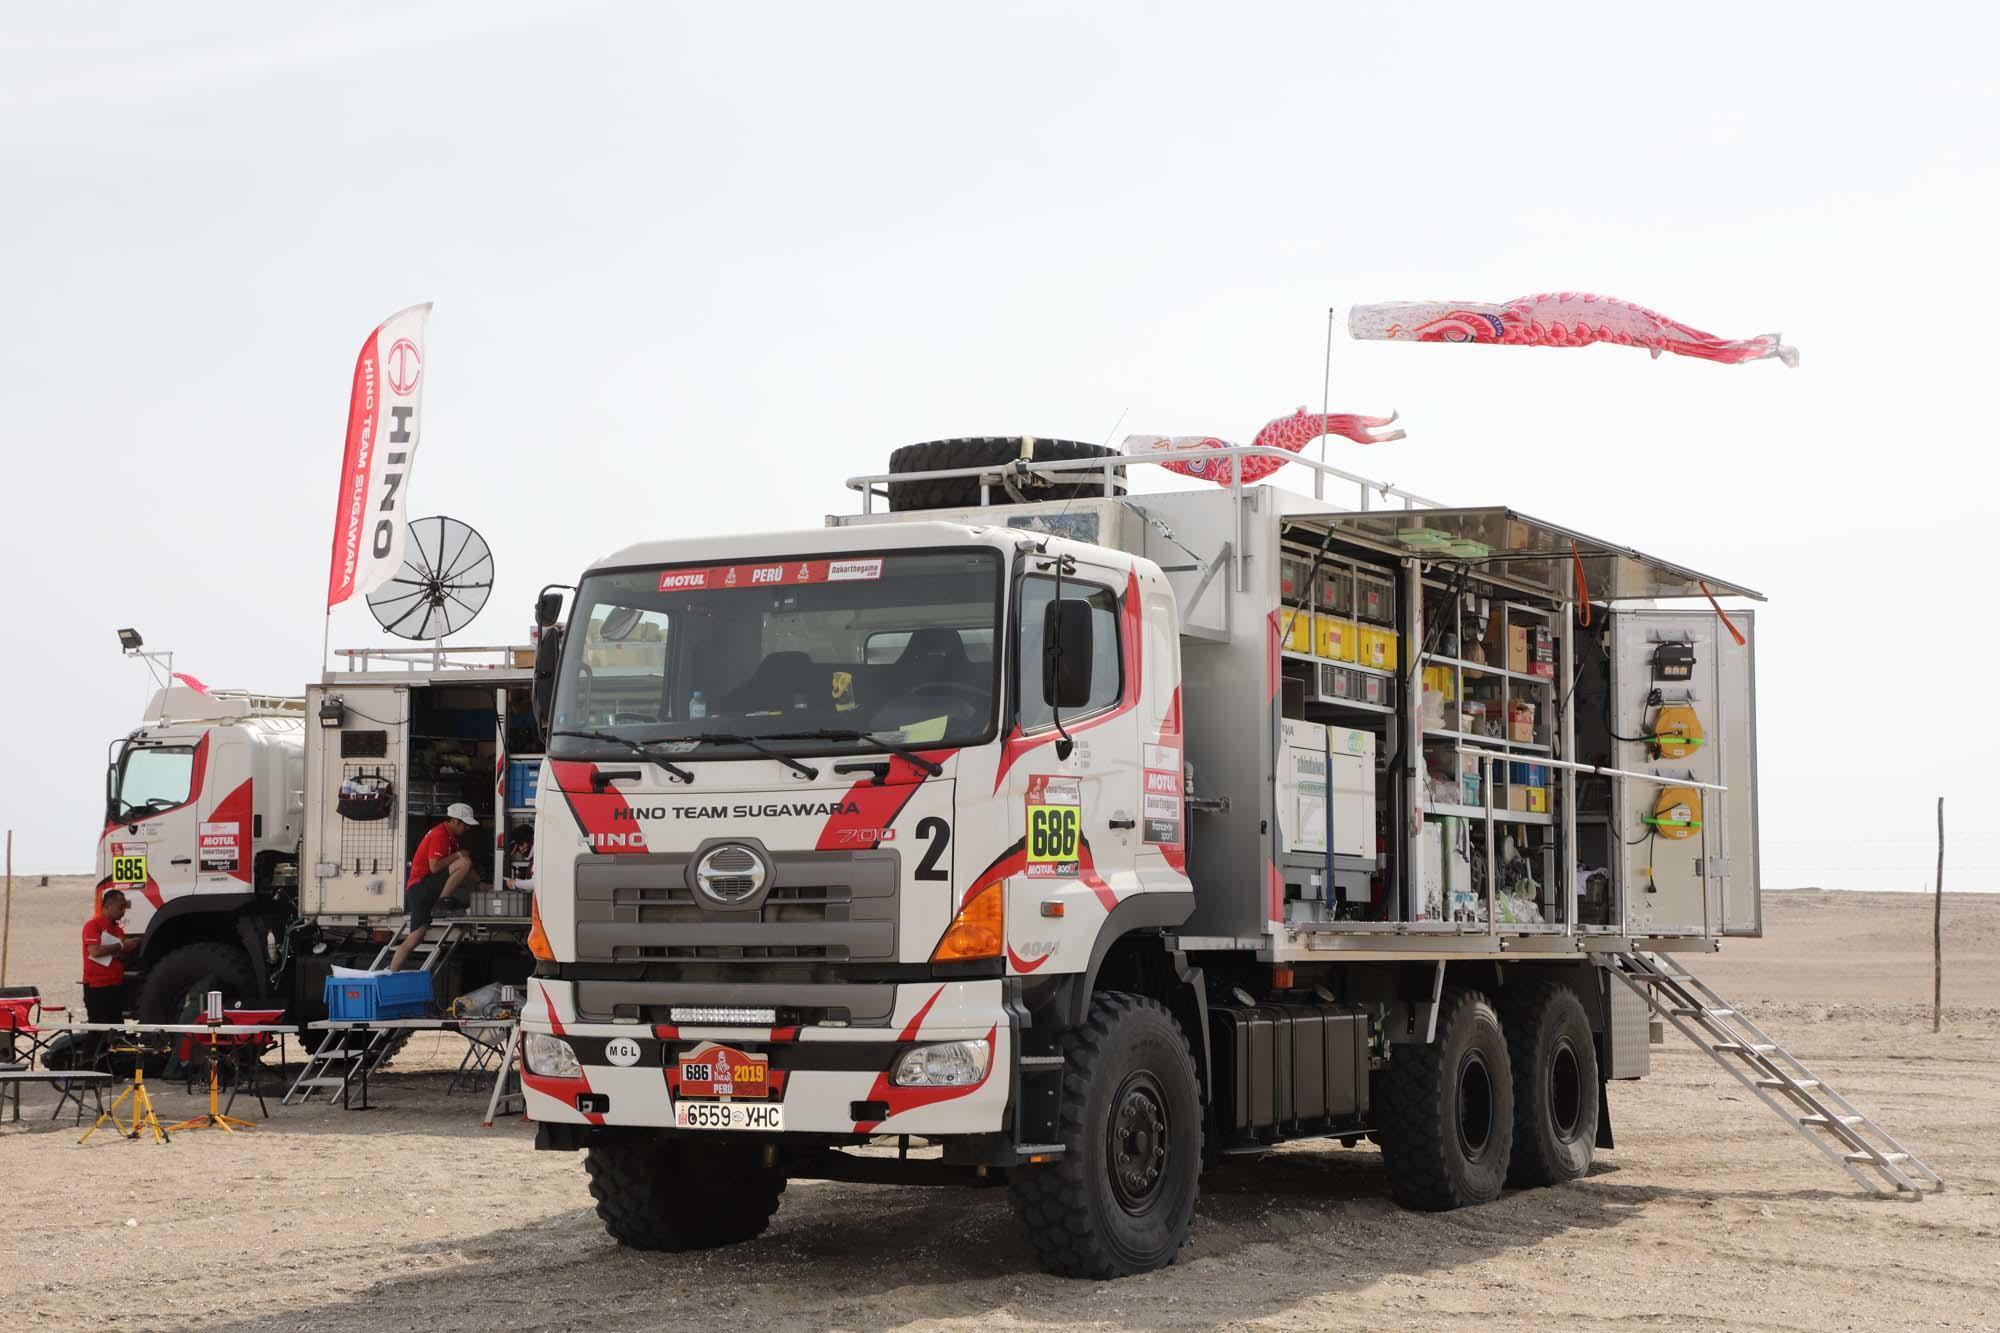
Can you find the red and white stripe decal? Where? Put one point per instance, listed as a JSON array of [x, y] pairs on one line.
[[874, 806], [608, 824], [562, 1089], [906, 1099]]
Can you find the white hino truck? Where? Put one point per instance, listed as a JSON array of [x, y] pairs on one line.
[[264, 840], [1070, 839]]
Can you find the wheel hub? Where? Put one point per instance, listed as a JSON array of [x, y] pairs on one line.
[[1138, 1143]]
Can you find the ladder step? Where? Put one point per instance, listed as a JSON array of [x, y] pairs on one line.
[[1832, 1120], [1711, 1013], [1789, 1083], [318, 1083], [1747, 1048], [1878, 1157]]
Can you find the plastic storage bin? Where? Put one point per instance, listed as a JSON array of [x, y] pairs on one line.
[[524, 777], [384, 995]]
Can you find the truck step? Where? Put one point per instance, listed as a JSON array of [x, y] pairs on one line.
[[1793, 1083], [1878, 1157], [1040, 1149], [1746, 1048], [1042, 1062], [1821, 1120], [1711, 1013]]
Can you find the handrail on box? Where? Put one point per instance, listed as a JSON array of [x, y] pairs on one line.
[[438, 657]]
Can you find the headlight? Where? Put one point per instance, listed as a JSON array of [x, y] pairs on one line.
[[551, 1057], [948, 1064]]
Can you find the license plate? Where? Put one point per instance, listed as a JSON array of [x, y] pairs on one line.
[[768, 1116]]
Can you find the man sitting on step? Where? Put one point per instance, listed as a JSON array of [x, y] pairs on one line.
[[439, 874]]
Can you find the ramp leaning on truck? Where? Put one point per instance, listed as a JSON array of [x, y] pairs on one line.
[[1082, 839]]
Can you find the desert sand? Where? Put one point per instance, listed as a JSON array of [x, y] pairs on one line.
[[1710, 1212]]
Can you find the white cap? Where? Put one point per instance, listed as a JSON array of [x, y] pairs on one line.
[[462, 812]]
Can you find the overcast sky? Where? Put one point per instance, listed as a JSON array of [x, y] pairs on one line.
[[696, 264]]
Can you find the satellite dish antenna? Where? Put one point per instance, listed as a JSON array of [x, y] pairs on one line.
[[446, 574]]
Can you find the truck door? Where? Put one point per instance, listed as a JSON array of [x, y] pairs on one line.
[[1684, 695], [1078, 819], [155, 790]]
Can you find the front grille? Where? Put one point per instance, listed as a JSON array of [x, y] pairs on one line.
[[819, 907]]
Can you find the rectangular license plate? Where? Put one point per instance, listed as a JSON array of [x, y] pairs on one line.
[[767, 1116]]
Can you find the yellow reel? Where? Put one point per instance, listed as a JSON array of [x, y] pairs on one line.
[[1677, 813]]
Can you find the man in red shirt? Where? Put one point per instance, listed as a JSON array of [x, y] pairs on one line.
[[437, 871], [105, 949]]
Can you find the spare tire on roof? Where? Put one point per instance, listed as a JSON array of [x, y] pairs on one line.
[[992, 451]]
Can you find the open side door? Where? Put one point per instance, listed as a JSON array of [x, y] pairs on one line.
[[1685, 706]]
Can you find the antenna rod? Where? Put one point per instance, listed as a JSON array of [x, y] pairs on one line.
[[1325, 405]]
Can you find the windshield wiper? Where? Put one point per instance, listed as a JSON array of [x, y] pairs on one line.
[[897, 748], [674, 770], [732, 738]]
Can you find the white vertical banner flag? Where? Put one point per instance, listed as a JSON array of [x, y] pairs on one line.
[[384, 414]]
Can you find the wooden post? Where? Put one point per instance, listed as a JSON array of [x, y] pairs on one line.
[[1937, 933], [7, 923]]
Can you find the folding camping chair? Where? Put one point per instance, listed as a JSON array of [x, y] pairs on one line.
[[23, 1015]]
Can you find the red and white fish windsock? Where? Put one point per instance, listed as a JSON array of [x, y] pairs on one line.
[[1556, 319], [1292, 433]]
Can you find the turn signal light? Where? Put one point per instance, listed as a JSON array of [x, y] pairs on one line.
[[978, 931], [538, 939]]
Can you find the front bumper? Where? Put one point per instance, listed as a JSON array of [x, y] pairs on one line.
[[829, 1080]]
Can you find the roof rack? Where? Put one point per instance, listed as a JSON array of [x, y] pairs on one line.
[[489, 657], [1367, 488]]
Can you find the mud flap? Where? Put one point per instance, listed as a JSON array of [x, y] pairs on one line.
[[1604, 1114]]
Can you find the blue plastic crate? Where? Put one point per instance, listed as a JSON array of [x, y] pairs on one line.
[[385, 995], [524, 777]]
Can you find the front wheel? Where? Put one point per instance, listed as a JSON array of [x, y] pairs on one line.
[[1120, 1199], [671, 1195]]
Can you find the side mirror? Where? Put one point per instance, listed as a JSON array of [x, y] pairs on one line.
[[1067, 651], [548, 656], [548, 608]]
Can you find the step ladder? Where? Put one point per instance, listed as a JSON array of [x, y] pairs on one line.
[[336, 1062], [1827, 1120]]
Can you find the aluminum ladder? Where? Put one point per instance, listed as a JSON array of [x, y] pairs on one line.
[[1824, 1118], [335, 1062]]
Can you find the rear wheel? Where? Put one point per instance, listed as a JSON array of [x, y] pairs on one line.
[[666, 1194], [991, 451], [1448, 1110], [1554, 1058], [1120, 1200]]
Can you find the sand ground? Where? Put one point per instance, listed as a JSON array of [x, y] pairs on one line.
[[1710, 1213]]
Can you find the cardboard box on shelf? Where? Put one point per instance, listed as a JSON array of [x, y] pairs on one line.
[[1517, 648], [1521, 722], [1517, 798]]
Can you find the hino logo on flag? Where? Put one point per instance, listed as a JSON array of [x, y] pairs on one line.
[[395, 461]]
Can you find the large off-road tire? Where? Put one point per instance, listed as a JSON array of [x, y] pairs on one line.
[[1554, 1058], [176, 987], [990, 451], [1447, 1110], [667, 1194], [1121, 1197]]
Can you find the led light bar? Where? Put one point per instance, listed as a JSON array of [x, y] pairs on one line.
[[699, 1015]]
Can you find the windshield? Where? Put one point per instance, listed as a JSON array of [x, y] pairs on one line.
[[889, 648], [155, 777]]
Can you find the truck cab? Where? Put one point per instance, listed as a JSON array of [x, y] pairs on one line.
[[851, 794], [204, 814]]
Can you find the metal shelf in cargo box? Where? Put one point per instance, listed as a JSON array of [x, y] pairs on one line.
[[1500, 813], [1486, 742], [1290, 1065], [1324, 697]]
